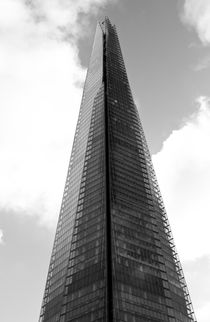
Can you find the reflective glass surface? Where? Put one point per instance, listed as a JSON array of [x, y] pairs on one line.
[[113, 257], [146, 283], [78, 249]]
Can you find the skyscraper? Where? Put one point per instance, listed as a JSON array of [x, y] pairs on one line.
[[113, 257]]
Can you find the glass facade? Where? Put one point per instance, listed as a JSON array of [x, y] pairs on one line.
[[113, 257]]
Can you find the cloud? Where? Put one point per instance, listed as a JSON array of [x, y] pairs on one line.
[[183, 172], [198, 280], [203, 313], [1, 237], [196, 13], [40, 98], [204, 63]]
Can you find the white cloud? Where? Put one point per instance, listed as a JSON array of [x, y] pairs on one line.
[[202, 64], [203, 313], [197, 14], [40, 98], [1, 237], [198, 281], [183, 172]]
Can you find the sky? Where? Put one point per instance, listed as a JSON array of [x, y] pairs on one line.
[[44, 51]]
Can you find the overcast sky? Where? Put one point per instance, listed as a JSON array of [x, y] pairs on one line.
[[44, 51]]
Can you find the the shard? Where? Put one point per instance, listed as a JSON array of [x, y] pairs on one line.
[[113, 258]]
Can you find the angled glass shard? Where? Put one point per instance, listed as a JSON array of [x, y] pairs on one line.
[[113, 257]]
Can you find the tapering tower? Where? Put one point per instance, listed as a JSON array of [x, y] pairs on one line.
[[113, 257]]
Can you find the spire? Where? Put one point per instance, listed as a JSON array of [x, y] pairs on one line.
[[113, 257]]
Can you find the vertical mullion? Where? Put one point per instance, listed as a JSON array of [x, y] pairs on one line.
[[109, 294]]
